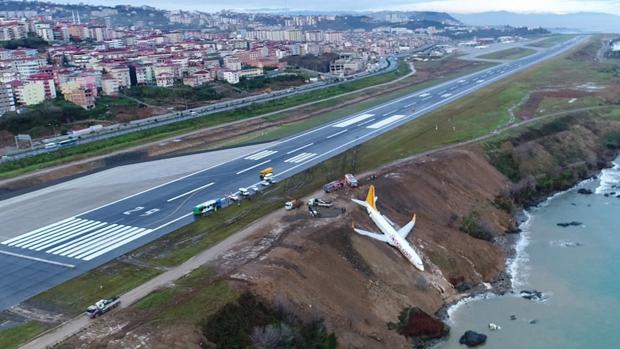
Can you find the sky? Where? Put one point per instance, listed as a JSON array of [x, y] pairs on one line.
[[450, 6]]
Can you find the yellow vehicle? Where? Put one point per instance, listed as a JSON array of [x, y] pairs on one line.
[[266, 172]]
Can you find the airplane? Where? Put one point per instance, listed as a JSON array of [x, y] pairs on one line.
[[390, 234]]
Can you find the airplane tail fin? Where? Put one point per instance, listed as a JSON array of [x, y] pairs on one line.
[[371, 198]]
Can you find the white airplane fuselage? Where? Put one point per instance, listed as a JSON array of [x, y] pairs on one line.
[[394, 239]]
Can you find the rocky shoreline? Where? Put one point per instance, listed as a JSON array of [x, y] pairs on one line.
[[503, 284]]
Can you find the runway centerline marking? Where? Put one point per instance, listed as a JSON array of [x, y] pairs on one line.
[[390, 112], [367, 122], [336, 134], [191, 191], [300, 148], [252, 167]]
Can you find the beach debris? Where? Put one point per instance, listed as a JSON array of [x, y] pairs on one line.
[[585, 191], [569, 224], [532, 295], [494, 327], [513, 317], [472, 339]]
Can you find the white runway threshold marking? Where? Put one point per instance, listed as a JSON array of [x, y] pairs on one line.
[[354, 120], [385, 122], [301, 157], [76, 238], [260, 155], [191, 191]]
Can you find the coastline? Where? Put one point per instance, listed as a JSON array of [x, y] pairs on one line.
[[514, 246]]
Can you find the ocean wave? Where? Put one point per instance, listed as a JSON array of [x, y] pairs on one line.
[[454, 307], [517, 266], [609, 179]]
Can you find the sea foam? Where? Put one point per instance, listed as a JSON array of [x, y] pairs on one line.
[[609, 178]]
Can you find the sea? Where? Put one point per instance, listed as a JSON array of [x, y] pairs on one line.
[[577, 269]]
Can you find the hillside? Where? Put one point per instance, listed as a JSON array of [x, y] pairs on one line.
[[583, 21]]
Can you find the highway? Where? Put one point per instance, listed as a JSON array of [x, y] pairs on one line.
[[38, 260]]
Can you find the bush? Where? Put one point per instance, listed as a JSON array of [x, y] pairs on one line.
[[612, 140], [471, 225], [249, 322]]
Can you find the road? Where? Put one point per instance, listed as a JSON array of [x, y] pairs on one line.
[[386, 65], [35, 261]]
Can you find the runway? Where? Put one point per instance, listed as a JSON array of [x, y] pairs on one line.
[[49, 255]]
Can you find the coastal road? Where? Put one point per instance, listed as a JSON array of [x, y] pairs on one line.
[[42, 258]]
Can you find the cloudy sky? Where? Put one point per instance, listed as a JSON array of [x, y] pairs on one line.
[[451, 6]]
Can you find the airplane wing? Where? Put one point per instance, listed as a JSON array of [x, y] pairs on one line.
[[404, 231], [375, 236]]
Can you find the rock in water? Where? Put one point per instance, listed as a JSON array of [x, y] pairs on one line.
[[573, 223], [585, 191], [472, 339], [532, 295]]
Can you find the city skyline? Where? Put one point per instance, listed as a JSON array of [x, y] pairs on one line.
[[450, 6]]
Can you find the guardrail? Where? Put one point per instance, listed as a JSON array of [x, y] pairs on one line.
[[387, 65]]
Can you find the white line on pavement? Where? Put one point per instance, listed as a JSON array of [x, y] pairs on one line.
[[387, 121], [300, 148], [190, 192], [367, 122], [336, 134], [252, 167], [71, 266], [354, 120]]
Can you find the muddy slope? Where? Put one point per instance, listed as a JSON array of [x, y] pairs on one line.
[[358, 285]]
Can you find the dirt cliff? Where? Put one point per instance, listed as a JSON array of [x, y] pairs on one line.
[[357, 284]]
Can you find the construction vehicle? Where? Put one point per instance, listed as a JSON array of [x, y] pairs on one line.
[[351, 181], [208, 206], [333, 186], [265, 172], [292, 204], [313, 211], [102, 306], [316, 202]]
